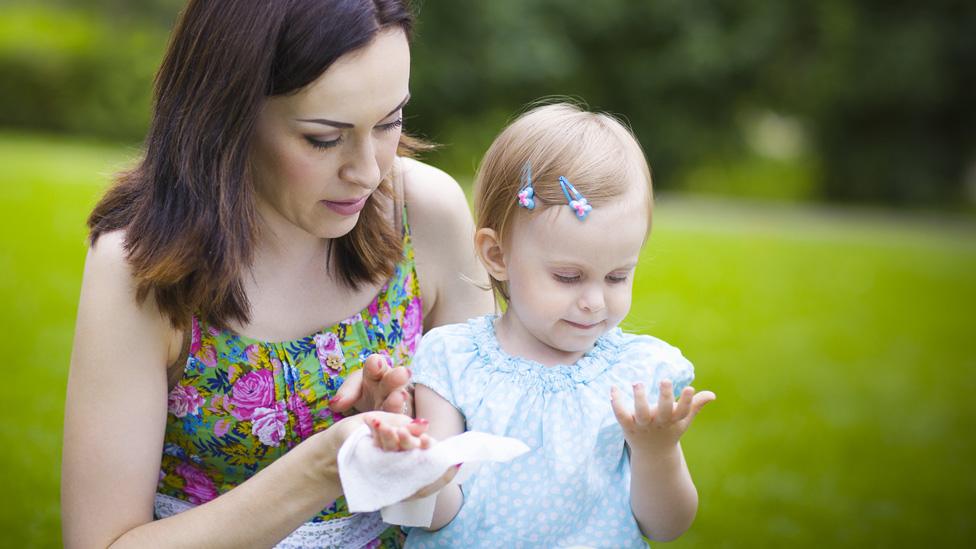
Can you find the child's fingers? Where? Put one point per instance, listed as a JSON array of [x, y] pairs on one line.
[[642, 409], [624, 417], [425, 441], [388, 438], [665, 402], [684, 403], [699, 402]]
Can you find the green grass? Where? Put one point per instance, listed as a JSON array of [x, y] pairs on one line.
[[837, 342]]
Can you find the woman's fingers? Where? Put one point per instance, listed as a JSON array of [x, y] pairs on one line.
[[393, 379], [418, 426], [349, 393]]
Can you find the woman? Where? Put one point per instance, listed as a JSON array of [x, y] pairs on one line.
[[273, 200]]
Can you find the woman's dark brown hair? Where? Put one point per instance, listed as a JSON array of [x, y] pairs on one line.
[[187, 207]]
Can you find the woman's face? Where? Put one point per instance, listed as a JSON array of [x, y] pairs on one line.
[[319, 154]]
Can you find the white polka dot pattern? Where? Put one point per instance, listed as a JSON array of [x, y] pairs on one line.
[[573, 487]]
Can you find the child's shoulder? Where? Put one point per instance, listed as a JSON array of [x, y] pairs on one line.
[[457, 338], [459, 331], [648, 352], [647, 344]]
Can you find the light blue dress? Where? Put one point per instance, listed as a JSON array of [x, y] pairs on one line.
[[573, 486]]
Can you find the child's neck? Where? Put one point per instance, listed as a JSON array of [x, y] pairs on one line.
[[517, 341]]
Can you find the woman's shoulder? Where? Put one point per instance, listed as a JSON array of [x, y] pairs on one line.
[[434, 199], [110, 285]]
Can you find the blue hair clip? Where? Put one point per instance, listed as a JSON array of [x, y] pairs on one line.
[[526, 193], [575, 199]]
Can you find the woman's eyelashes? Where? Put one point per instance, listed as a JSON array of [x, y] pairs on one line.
[[328, 144]]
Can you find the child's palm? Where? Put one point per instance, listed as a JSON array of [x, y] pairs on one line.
[[661, 426]]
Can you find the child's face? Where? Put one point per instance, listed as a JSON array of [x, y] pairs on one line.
[[570, 281]]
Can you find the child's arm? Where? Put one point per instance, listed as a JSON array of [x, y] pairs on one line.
[[662, 496], [445, 421]]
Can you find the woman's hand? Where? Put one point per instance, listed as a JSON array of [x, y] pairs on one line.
[[377, 386], [658, 428], [398, 433]]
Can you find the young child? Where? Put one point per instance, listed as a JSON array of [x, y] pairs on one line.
[[563, 201]]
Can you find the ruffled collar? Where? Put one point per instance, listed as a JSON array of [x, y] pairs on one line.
[[549, 378]]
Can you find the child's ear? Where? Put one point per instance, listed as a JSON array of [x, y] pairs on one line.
[[490, 253]]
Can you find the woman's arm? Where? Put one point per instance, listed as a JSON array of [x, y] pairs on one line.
[[445, 421], [443, 236], [115, 416]]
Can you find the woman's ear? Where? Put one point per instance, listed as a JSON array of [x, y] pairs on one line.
[[490, 253]]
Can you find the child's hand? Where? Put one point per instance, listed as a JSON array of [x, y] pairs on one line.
[[394, 434], [661, 427]]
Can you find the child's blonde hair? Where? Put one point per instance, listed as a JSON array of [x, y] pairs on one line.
[[596, 152]]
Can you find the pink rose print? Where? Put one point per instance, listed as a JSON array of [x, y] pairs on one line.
[[195, 337], [269, 424], [253, 390], [413, 325], [197, 485], [183, 400], [329, 352], [304, 424]]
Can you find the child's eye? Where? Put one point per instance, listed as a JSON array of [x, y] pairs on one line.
[[323, 144], [566, 279], [616, 279]]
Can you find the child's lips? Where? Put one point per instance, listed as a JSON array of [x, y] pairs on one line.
[[584, 326]]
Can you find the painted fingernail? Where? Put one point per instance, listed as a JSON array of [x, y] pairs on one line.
[[409, 372], [420, 421], [334, 400], [458, 466]]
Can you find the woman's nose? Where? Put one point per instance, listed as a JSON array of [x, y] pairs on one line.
[[360, 167]]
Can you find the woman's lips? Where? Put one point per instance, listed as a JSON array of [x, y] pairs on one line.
[[346, 207]]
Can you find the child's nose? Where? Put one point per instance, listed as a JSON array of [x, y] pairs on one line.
[[591, 300]]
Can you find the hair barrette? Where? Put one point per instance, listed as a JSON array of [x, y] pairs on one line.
[[526, 193], [576, 201]]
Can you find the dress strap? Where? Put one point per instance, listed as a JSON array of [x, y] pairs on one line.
[[174, 371], [398, 196]]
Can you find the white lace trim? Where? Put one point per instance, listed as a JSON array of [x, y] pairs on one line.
[[353, 531]]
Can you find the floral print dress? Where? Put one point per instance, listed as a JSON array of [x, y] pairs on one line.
[[243, 403]]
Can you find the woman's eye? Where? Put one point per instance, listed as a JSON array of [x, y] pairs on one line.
[[392, 125], [566, 279], [323, 144]]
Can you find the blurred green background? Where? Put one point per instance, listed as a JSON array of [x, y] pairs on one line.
[[814, 248]]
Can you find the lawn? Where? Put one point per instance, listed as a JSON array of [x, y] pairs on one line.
[[837, 341]]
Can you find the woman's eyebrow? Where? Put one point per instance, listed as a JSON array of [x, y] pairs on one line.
[[336, 124]]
